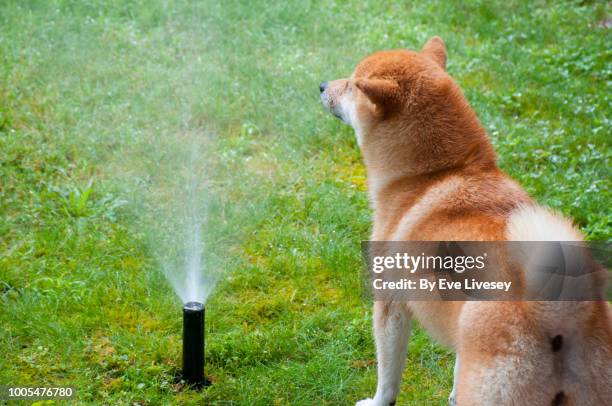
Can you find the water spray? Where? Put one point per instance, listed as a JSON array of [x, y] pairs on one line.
[[193, 344]]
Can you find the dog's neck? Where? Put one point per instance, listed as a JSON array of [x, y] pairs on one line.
[[391, 197], [448, 140]]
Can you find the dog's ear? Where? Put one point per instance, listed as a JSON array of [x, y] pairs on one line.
[[384, 93], [435, 49]]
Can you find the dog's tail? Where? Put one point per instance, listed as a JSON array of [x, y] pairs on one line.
[[536, 223], [557, 264]]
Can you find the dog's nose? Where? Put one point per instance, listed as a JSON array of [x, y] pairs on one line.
[[322, 87]]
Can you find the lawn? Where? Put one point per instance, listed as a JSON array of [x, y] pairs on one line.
[[100, 101]]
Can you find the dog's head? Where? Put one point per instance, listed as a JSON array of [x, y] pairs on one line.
[[403, 102]]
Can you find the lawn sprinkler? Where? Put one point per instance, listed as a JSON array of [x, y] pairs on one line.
[[193, 345]]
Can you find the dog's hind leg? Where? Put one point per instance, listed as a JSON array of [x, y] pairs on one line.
[[391, 331], [506, 358]]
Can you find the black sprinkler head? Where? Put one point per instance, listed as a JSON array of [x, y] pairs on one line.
[[193, 344]]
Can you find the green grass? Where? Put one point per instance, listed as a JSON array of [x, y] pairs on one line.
[[83, 301]]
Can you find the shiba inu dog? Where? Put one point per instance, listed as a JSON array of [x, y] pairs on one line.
[[432, 175]]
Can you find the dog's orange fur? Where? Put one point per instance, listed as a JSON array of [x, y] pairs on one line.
[[432, 175]]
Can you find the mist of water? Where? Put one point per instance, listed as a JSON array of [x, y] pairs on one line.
[[169, 187], [161, 144], [136, 97], [192, 280]]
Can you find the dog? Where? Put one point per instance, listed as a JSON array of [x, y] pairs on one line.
[[432, 175]]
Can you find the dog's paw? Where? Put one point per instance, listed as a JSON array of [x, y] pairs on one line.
[[451, 399], [372, 402], [367, 402]]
